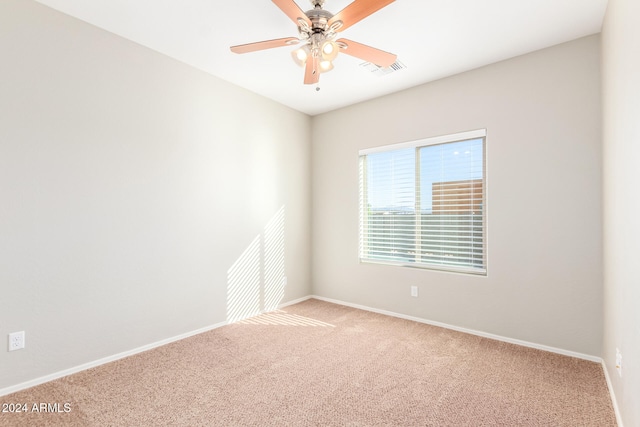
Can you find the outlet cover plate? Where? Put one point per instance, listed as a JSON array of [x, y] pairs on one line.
[[16, 340], [619, 362]]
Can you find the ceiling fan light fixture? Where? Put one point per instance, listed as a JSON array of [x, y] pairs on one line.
[[325, 66], [300, 55], [329, 50], [317, 32]]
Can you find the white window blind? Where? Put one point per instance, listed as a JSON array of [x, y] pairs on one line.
[[423, 203]]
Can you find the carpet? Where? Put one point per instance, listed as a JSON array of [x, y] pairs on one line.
[[322, 364]]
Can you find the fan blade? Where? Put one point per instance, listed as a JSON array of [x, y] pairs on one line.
[[368, 53], [357, 11], [312, 72], [267, 44], [293, 11]]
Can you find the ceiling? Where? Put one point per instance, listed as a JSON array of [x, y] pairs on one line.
[[432, 38]]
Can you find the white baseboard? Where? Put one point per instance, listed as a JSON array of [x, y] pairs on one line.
[[295, 301], [113, 358], [467, 331], [614, 401]]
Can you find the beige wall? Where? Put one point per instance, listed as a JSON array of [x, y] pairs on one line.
[[542, 115], [621, 108], [135, 191]]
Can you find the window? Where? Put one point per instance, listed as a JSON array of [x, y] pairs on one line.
[[422, 203]]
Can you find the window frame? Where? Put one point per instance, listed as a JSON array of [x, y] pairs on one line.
[[417, 144]]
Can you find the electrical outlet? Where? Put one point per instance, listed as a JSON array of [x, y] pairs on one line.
[[619, 362], [16, 340], [414, 291]]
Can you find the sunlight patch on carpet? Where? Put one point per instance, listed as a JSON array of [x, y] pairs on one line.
[[282, 318]]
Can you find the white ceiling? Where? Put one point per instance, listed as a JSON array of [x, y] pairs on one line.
[[432, 38]]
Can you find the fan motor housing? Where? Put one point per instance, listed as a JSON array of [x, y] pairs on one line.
[[319, 19]]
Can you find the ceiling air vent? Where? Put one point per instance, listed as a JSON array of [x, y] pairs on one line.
[[383, 71]]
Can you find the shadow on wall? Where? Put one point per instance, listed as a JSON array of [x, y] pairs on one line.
[[255, 282]]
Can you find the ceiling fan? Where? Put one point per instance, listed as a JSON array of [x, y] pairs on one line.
[[318, 30]]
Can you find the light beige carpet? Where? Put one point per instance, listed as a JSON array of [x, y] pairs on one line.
[[321, 364]]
